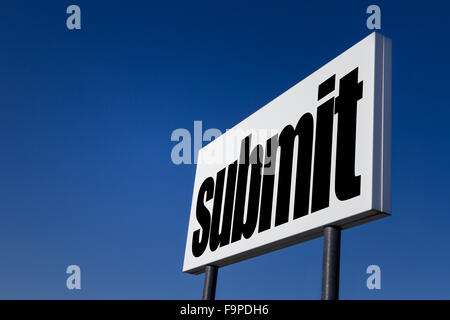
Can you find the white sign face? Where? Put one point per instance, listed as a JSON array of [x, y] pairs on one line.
[[318, 155]]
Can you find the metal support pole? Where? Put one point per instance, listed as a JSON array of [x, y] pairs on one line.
[[209, 289], [331, 262]]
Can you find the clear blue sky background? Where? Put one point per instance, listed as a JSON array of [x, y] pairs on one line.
[[85, 122]]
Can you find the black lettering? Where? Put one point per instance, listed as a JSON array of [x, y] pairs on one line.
[[347, 185], [241, 190], [322, 156], [262, 173], [304, 160], [304, 132], [203, 217], [265, 211], [326, 87], [223, 238], [214, 240], [254, 192]]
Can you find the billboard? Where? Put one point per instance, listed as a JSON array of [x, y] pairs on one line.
[[317, 155]]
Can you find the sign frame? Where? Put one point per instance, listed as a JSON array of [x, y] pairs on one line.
[[372, 57]]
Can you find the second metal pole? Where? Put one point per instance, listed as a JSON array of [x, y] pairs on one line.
[[331, 262], [209, 289]]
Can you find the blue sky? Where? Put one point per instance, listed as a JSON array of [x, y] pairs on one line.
[[85, 122]]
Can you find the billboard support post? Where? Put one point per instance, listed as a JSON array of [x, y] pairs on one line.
[[209, 289], [331, 262]]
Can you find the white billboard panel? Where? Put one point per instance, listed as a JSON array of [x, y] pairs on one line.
[[317, 155]]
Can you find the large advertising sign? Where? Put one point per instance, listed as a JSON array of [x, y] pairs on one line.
[[318, 155]]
